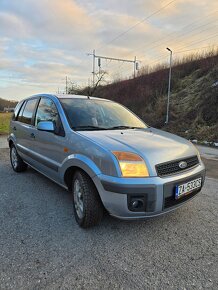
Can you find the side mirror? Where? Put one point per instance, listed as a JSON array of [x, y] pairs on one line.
[[47, 126]]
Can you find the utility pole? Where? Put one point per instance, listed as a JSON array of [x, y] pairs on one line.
[[66, 86], [169, 83], [93, 69], [134, 70], [99, 66], [93, 66], [135, 67]]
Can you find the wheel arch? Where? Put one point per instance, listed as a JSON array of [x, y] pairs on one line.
[[11, 140], [78, 162], [10, 143], [68, 175]]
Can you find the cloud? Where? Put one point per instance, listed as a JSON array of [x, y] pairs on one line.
[[62, 23], [43, 41], [13, 25]]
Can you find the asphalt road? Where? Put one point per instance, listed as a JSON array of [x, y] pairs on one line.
[[3, 141], [208, 152], [41, 246]]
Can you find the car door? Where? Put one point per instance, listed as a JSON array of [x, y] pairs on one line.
[[23, 130], [49, 146]]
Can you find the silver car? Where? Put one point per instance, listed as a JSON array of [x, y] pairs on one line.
[[105, 155]]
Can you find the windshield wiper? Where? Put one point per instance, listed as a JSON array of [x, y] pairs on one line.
[[88, 127], [124, 127], [95, 128]]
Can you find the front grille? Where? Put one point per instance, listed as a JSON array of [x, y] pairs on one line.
[[172, 167], [171, 201]]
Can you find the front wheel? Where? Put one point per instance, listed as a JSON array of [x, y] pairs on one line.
[[16, 161], [88, 208]]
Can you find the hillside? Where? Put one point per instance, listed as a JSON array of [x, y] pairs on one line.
[[193, 103], [194, 97], [6, 103]]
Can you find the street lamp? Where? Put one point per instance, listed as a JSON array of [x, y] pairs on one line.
[[168, 95]]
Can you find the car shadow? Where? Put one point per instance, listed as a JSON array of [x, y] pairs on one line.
[[54, 191]]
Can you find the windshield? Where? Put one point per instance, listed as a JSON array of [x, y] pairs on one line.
[[90, 114]]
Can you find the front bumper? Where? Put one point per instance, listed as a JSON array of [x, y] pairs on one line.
[[156, 193]]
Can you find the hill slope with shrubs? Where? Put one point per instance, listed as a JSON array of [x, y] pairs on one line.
[[5, 104], [193, 103]]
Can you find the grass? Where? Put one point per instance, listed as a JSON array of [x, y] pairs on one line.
[[4, 122]]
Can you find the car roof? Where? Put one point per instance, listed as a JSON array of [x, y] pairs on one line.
[[66, 96]]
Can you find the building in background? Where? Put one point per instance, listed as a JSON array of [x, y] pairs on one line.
[[8, 109]]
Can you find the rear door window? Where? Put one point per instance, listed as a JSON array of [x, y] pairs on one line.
[[28, 111]]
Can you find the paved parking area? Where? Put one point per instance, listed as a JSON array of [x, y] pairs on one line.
[[3, 142], [208, 152], [43, 248]]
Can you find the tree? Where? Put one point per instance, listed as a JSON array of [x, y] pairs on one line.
[[89, 91]]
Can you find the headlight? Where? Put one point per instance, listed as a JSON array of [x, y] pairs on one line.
[[197, 151], [131, 164]]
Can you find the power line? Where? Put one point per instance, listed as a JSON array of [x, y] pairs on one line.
[[183, 35], [177, 52], [132, 27], [99, 57], [181, 51], [172, 33], [141, 56], [192, 43], [163, 56], [180, 35]]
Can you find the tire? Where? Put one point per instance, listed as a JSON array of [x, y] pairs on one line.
[[88, 208], [17, 162]]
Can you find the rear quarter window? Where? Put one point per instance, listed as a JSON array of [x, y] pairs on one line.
[[26, 113], [17, 110]]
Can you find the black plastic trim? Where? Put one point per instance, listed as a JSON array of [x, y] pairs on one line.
[[172, 167], [39, 159], [128, 188]]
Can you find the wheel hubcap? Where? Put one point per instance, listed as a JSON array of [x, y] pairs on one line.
[[14, 159], [78, 198]]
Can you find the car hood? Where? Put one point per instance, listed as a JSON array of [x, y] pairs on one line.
[[155, 146]]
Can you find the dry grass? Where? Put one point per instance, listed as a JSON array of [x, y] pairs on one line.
[[4, 122]]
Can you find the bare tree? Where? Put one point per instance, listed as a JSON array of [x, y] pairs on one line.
[[74, 89], [100, 80]]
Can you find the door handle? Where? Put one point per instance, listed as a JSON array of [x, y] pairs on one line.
[[14, 128], [32, 135]]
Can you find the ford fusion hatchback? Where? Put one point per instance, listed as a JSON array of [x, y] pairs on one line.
[[105, 155]]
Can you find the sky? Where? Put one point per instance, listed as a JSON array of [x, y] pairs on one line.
[[43, 41]]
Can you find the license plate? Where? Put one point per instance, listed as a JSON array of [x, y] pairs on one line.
[[188, 187]]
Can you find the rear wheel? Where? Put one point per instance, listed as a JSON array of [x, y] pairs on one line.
[[88, 208], [17, 162]]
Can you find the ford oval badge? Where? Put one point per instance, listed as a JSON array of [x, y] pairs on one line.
[[183, 164]]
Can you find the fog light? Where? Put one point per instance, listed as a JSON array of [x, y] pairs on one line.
[[136, 203]]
